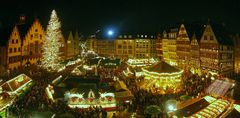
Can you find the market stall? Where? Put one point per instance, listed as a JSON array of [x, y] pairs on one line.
[[220, 87], [18, 85], [92, 98]]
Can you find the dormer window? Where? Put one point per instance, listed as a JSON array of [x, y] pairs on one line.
[[31, 36], [211, 37], [205, 37]]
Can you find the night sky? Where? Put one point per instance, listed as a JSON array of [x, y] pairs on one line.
[[123, 15]]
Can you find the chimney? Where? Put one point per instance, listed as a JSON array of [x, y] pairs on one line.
[[22, 19]]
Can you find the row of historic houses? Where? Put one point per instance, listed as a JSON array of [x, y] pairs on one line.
[[21, 45], [204, 47]]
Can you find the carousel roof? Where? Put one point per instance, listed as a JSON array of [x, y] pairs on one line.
[[162, 67]]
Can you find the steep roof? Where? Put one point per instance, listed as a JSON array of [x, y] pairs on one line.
[[162, 67]]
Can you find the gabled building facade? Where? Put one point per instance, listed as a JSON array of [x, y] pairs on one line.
[[70, 46], [32, 42], [194, 60], [216, 51], [183, 48], [76, 44], [14, 53]]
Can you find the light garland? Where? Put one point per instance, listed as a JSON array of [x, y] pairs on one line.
[[162, 74]]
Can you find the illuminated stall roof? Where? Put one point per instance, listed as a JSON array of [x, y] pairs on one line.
[[219, 87], [214, 110], [16, 84], [192, 108], [162, 67]]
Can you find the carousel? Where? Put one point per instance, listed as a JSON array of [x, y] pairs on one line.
[[161, 78]]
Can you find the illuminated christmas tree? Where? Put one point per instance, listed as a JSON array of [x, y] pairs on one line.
[[51, 45]]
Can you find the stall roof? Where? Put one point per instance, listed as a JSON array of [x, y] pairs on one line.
[[219, 87], [162, 67]]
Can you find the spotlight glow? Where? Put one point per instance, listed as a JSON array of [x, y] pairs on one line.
[[110, 32]]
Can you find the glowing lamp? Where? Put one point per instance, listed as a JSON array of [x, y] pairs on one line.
[[171, 108], [110, 32]]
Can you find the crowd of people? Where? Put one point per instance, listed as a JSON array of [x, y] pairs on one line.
[[36, 99]]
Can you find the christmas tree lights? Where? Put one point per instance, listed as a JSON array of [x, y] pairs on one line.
[[51, 53]]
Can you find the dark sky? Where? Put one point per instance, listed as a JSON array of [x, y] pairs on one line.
[[124, 15]]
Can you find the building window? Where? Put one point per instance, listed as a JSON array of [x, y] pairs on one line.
[[211, 37], [16, 40], [36, 30], [205, 37], [31, 36], [36, 35], [19, 49], [40, 36], [13, 41], [10, 50], [15, 49]]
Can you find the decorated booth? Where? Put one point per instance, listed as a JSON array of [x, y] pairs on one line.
[[92, 98], [12, 89], [18, 85]]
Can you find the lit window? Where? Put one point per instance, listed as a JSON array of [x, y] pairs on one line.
[[10, 50], [205, 37], [211, 37]]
